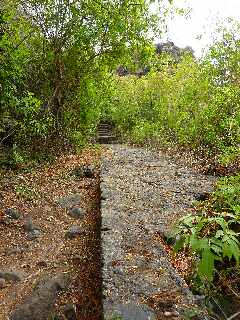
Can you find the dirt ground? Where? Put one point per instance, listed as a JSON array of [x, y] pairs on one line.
[[36, 194]]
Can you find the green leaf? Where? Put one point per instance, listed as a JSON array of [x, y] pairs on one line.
[[222, 223], [219, 234], [231, 249], [179, 244], [216, 249], [206, 264]]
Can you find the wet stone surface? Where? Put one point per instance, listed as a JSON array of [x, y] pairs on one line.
[[143, 193]]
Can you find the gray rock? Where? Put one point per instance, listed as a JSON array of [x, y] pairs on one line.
[[76, 213], [143, 198], [73, 232], [129, 312], [70, 201], [17, 250], [201, 196], [34, 234], [40, 304], [70, 311], [13, 214], [2, 283], [14, 276], [13, 251], [29, 226], [85, 171]]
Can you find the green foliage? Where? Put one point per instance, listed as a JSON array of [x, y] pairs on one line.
[[213, 235], [211, 239], [17, 158], [54, 56], [23, 122], [185, 103], [226, 197], [26, 193]]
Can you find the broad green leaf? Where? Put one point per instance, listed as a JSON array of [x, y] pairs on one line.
[[206, 264]]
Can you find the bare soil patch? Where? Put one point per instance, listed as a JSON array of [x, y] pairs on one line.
[[35, 244]]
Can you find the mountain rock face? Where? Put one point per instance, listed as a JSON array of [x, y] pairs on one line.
[[170, 48], [161, 48]]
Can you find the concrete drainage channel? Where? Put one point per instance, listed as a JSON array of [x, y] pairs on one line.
[[141, 193]]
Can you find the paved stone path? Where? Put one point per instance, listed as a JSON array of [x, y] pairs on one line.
[[142, 194]]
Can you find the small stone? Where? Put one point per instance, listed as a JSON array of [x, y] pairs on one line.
[[70, 312], [178, 174], [42, 264], [29, 226], [171, 314], [13, 251], [2, 283], [168, 314], [40, 304], [73, 232], [6, 220], [76, 213], [201, 196], [69, 201], [89, 171], [11, 275], [13, 214], [16, 250], [76, 259], [85, 171], [34, 234]]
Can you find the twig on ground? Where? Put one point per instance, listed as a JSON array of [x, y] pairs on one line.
[[234, 316]]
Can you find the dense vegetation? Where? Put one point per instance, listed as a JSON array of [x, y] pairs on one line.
[[193, 104], [53, 55], [58, 79], [190, 103]]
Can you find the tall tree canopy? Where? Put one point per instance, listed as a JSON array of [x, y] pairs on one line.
[[50, 49]]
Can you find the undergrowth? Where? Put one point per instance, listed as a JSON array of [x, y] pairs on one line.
[[212, 235]]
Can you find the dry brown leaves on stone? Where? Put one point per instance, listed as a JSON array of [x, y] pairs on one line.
[[181, 261]]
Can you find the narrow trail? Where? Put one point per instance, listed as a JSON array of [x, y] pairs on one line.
[[143, 194], [83, 242]]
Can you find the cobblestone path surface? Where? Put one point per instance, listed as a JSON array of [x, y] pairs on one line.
[[143, 193]]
